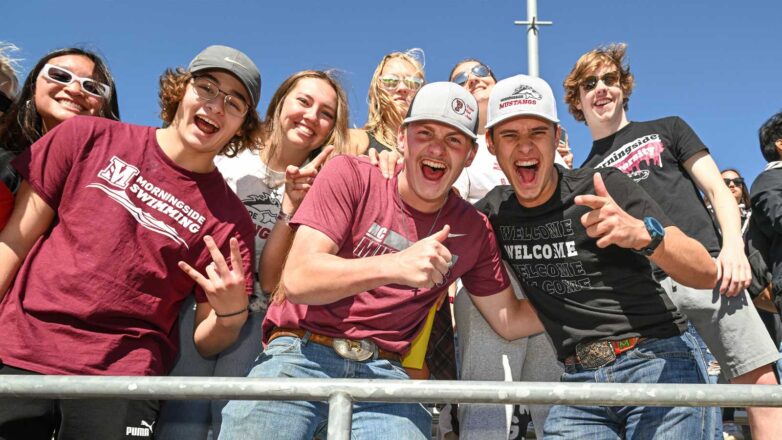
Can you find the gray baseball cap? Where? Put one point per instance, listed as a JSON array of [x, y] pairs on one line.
[[521, 95], [448, 103], [232, 61]]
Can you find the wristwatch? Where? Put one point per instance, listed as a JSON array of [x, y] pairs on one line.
[[656, 231]]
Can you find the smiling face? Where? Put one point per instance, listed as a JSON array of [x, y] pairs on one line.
[[525, 148], [308, 113], [56, 102], [204, 127], [479, 87], [435, 155], [402, 95], [603, 105]]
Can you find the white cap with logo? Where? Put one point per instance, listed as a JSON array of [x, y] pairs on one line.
[[521, 95], [448, 103]]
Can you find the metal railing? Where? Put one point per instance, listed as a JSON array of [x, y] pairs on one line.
[[342, 392]]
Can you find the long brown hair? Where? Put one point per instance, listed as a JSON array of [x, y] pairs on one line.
[[22, 125], [272, 134]]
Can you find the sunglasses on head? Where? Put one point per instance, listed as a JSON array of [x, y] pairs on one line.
[[65, 77], [609, 79], [391, 81], [479, 70], [738, 181]]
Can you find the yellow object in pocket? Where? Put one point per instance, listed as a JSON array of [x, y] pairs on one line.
[[417, 354]]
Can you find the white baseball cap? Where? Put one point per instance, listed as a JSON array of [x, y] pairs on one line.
[[521, 95], [448, 103]]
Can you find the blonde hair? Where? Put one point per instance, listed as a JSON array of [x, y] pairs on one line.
[[385, 116], [173, 84], [613, 54], [9, 66], [272, 135]]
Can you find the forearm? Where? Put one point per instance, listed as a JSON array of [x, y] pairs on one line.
[[274, 254], [213, 334], [325, 278], [685, 260], [10, 260], [523, 321], [727, 212], [508, 316]]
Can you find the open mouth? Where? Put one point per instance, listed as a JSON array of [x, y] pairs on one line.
[[206, 125], [432, 169], [527, 170]]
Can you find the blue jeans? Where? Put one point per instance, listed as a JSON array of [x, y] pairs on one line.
[[293, 357], [706, 365], [194, 419], [668, 360]]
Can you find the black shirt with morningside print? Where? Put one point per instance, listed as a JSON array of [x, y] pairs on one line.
[[580, 291], [653, 154]]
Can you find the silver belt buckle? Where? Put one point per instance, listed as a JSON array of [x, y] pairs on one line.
[[595, 354], [360, 350]]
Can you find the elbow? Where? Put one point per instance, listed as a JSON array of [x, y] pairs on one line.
[[292, 289]]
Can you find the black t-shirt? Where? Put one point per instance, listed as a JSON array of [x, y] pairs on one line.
[[653, 154], [580, 291]]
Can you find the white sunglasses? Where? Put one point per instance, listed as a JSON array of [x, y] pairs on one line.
[[64, 76]]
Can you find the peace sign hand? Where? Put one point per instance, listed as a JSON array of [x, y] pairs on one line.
[[298, 180]]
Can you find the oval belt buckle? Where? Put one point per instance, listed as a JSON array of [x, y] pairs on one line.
[[354, 350]]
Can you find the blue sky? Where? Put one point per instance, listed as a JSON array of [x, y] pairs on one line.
[[715, 63]]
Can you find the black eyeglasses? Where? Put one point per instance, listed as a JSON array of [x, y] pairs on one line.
[[207, 90], [738, 181], [478, 70], [609, 79]]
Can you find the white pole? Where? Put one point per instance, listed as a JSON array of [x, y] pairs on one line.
[[533, 24]]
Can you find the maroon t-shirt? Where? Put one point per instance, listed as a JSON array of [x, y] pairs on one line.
[[100, 292], [360, 210]]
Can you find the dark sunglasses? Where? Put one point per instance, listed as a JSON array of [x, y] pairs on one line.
[[738, 181], [609, 79], [479, 70]]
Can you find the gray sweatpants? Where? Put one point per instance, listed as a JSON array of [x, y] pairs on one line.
[[487, 356]]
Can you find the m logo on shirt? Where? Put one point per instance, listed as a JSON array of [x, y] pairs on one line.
[[118, 173]]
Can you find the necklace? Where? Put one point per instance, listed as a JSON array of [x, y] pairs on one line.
[[402, 218]]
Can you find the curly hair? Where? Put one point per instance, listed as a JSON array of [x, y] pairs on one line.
[[173, 85], [272, 134], [22, 125], [613, 54], [385, 116]]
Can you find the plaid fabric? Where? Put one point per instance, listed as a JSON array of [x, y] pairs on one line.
[[441, 353]]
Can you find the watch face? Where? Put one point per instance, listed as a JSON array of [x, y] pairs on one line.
[[654, 227]]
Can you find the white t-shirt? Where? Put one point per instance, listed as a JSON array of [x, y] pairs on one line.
[[260, 189]]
